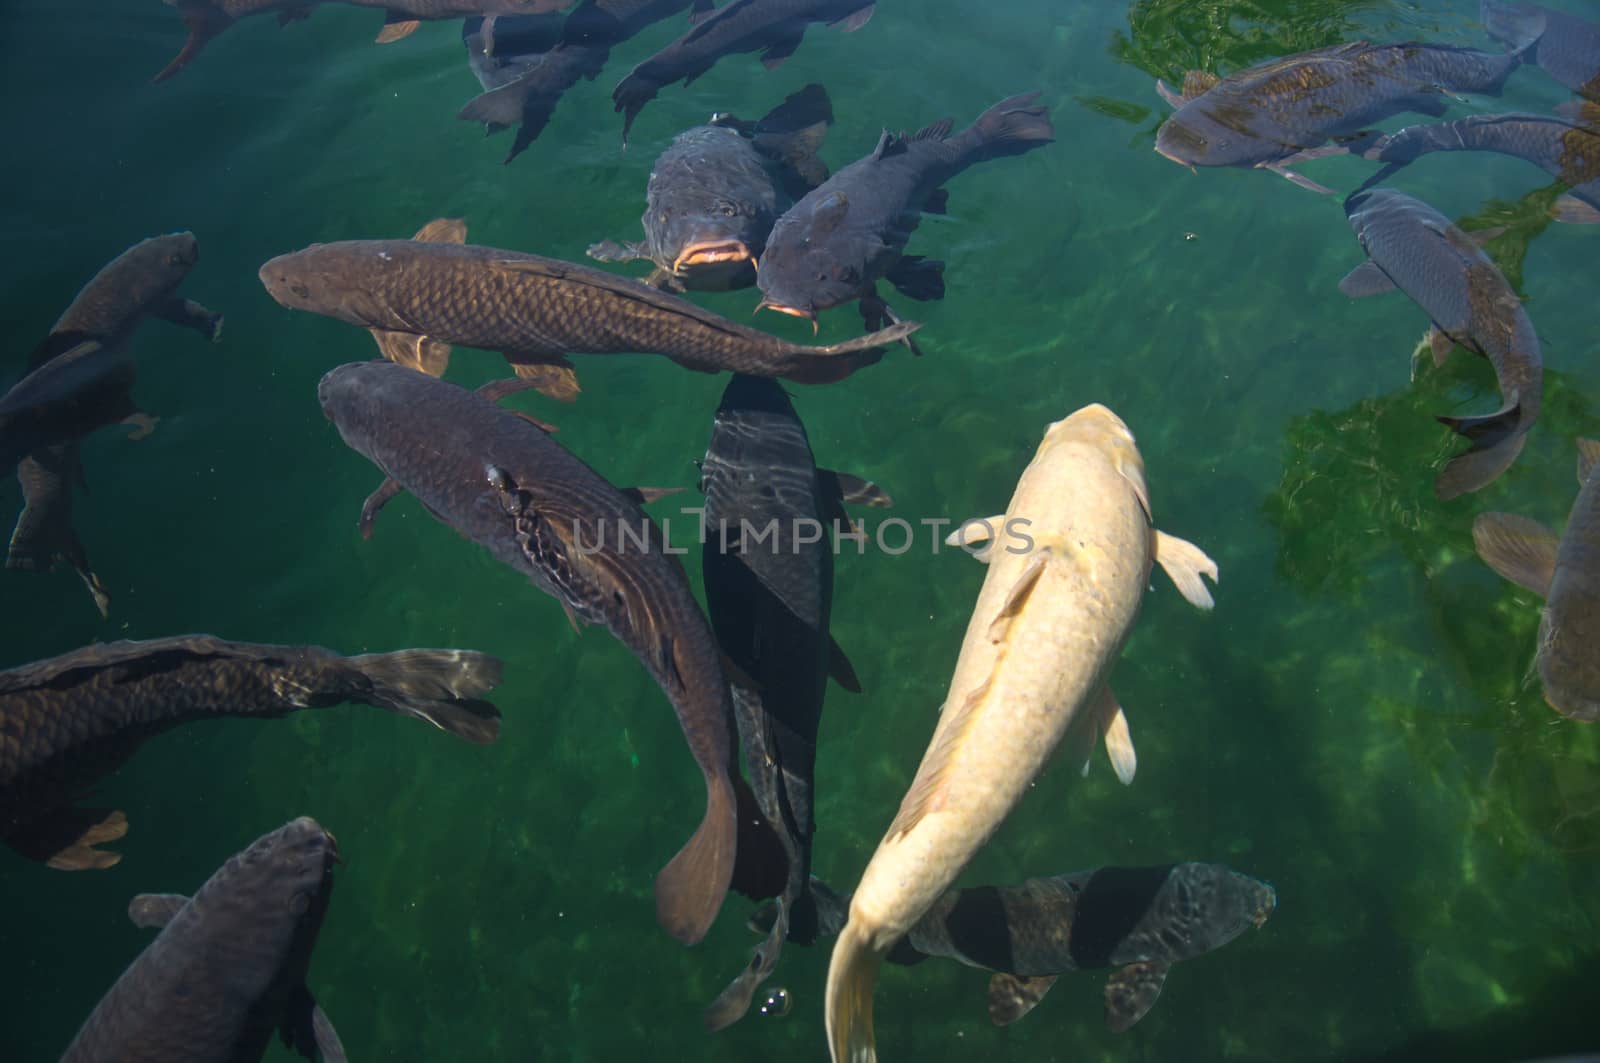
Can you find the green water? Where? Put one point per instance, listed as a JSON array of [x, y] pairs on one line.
[[1355, 722]]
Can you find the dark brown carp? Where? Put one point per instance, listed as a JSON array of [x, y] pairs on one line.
[[1139, 920], [528, 99], [418, 297], [503, 483], [716, 191], [1568, 48], [228, 969], [1564, 570], [772, 27], [44, 535], [204, 19], [1567, 151], [767, 560], [1413, 247], [1287, 110], [834, 245], [71, 720]]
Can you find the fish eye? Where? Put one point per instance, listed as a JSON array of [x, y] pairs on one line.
[[822, 276], [728, 210], [300, 290], [299, 902], [174, 260], [849, 275]]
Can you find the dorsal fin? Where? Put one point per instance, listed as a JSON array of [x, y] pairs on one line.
[[443, 231], [937, 131]]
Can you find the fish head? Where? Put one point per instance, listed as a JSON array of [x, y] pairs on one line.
[[711, 206], [1213, 904], [816, 260], [325, 279], [1202, 133], [1097, 428], [151, 270], [275, 891], [353, 393]]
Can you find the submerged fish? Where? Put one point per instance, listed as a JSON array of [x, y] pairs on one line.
[[587, 36], [44, 535], [1565, 571], [420, 296], [1284, 111], [833, 245], [1069, 561], [71, 395], [1566, 151], [76, 718], [503, 483], [772, 27], [204, 19], [768, 564], [508, 49], [1568, 49], [714, 194], [1413, 247], [228, 969], [1139, 920]]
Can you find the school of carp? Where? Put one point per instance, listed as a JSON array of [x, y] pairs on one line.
[[733, 204]]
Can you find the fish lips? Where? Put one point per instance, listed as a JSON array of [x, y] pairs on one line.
[[805, 310]]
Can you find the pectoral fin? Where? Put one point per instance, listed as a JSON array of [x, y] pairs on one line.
[[1185, 563], [977, 531], [1119, 742], [155, 909], [840, 668], [553, 377], [376, 501], [854, 21], [1521, 550], [1019, 594], [395, 27], [646, 495], [1131, 992], [421, 353], [611, 251], [1366, 279], [327, 1038], [780, 50], [66, 838], [857, 491], [1011, 996], [1588, 456], [1574, 211]]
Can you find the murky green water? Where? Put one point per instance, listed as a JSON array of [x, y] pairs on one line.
[[1355, 722]]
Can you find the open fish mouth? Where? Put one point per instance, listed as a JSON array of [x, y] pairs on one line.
[[712, 253], [792, 311], [1165, 154]]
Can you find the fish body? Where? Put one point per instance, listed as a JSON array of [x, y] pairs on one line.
[[420, 296], [1413, 247], [528, 100], [228, 969], [1272, 114], [1567, 151], [73, 719], [66, 398], [835, 243], [768, 565], [715, 192], [141, 281], [204, 19], [772, 27], [1068, 565], [1568, 48], [1565, 571], [503, 483], [1138, 920], [44, 535]]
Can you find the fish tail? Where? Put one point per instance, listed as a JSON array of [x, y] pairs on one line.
[[847, 1003], [792, 134], [690, 889], [444, 687], [501, 106], [204, 22], [871, 341], [1497, 439], [1011, 127], [1520, 27]]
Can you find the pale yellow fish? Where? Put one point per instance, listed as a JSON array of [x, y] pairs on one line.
[[1068, 562]]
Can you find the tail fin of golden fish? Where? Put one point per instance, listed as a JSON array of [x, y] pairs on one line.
[[690, 889], [444, 687], [847, 1004], [1185, 563]]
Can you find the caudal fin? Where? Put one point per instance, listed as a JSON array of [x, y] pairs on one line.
[[1497, 439], [690, 889], [847, 1004], [1519, 26], [444, 687], [1010, 127]]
